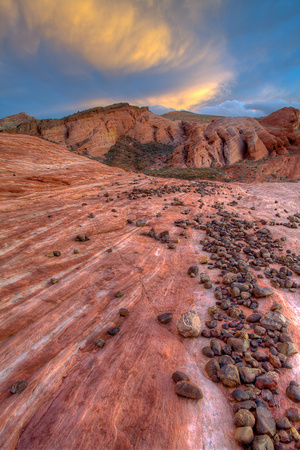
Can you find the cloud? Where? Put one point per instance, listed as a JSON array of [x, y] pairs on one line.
[[127, 35], [235, 108]]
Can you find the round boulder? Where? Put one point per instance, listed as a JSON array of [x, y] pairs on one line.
[[189, 324]]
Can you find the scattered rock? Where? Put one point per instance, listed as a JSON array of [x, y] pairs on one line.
[[244, 418], [165, 318], [203, 259], [263, 442], [260, 292], [244, 435], [212, 368], [293, 392], [18, 387], [100, 343], [265, 424], [141, 223], [180, 376], [114, 330], [123, 312], [229, 375], [193, 271], [189, 324], [119, 294], [188, 389], [82, 238], [269, 380], [293, 414]]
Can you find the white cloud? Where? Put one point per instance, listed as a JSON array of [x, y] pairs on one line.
[[235, 108]]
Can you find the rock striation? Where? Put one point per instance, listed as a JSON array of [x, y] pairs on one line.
[[85, 362]]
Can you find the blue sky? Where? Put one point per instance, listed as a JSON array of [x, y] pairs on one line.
[[227, 57]]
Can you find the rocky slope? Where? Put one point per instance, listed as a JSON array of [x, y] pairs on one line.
[[11, 122], [60, 297], [223, 141]]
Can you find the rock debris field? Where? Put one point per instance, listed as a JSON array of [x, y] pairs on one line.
[[139, 312]]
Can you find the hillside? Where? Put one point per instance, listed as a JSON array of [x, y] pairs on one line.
[[135, 139], [190, 116]]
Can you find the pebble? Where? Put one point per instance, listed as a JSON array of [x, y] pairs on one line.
[[244, 435], [293, 392], [123, 312], [189, 390], [18, 387], [82, 237], [165, 318], [100, 343], [180, 376], [114, 330]]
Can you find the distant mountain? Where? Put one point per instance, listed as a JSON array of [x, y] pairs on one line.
[[190, 116], [13, 121]]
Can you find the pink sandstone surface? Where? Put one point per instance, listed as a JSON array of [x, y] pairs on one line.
[[120, 396]]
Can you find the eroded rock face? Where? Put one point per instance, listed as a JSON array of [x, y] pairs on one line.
[[225, 140], [117, 395]]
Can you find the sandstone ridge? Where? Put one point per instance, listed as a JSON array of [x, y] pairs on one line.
[[223, 141]]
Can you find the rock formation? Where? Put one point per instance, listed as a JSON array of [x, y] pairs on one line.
[[78, 373], [223, 141]]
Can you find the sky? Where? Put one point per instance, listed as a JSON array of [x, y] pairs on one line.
[[221, 57]]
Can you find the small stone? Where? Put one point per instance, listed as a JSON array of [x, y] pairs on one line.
[[100, 343], [244, 418], [18, 387], [56, 253], [165, 318], [180, 376], [75, 251], [239, 345], [248, 404], [189, 324], [141, 223], [244, 435], [54, 280], [188, 389], [293, 392], [269, 380], [253, 318], [123, 312], [172, 246], [260, 292], [293, 414], [287, 348], [207, 351], [229, 278], [193, 270], [229, 375], [82, 238], [114, 330], [203, 259], [263, 442], [212, 367], [265, 424], [92, 216], [248, 374], [283, 423], [240, 396], [119, 294]]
